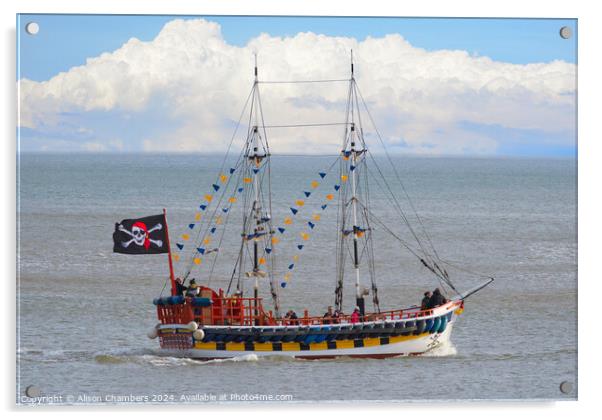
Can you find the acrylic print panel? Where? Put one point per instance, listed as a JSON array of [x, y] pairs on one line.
[[233, 209]]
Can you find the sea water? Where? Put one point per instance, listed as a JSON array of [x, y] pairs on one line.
[[84, 312]]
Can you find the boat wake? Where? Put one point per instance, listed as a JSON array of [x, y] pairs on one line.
[[160, 360]]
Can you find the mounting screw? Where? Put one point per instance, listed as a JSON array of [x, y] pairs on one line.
[[32, 28], [32, 391], [566, 387], [565, 32]]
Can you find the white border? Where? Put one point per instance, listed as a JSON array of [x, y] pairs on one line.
[[589, 198]]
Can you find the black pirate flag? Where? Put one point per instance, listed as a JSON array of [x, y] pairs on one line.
[[146, 235]]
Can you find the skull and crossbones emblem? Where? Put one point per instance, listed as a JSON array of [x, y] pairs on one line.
[[141, 235]]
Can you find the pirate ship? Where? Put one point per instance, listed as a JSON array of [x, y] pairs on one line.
[[218, 323]]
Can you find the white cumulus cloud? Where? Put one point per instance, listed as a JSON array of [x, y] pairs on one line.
[[423, 101]]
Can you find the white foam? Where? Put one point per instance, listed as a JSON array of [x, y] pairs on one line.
[[445, 349]]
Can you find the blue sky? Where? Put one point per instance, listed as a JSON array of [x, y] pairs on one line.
[[65, 41]]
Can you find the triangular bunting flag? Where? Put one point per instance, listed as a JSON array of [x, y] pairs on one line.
[[255, 170], [281, 230], [290, 267], [215, 187], [201, 251], [283, 285], [336, 187], [311, 225], [240, 189], [232, 170], [180, 246], [191, 226], [202, 207], [307, 193], [300, 246], [294, 210], [268, 250], [324, 206], [322, 175], [225, 209], [351, 168]]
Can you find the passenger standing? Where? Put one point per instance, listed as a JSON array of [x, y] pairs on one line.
[[355, 316], [328, 317], [180, 288], [437, 299], [425, 301], [193, 289]]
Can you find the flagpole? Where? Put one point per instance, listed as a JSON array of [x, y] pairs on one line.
[[171, 275]]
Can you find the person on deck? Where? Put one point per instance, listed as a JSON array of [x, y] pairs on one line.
[[291, 318], [193, 289], [355, 316], [180, 288], [336, 317], [437, 299], [425, 301], [328, 317]]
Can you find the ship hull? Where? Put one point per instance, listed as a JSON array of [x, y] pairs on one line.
[[361, 348], [360, 340]]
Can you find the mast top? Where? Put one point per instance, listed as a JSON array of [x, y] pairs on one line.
[[255, 55], [352, 63]]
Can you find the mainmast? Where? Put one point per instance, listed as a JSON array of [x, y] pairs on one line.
[[356, 262], [257, 225], [354, 198]]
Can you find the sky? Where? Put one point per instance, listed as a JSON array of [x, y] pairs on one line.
[[435, 86]]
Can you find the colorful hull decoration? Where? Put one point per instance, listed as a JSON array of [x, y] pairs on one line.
[[378, 339]]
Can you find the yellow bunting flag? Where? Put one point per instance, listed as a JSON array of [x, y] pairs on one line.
[[197, 261], [261, 260], [223, 178], [176, 257], [300, 203], [314, 184], [288, 221], [208, 197], [185, 236], [197, 216], [316, 217], [232, 200], [275, 240], [360, 234], [329, 197], [344, 178], [305, 236], [345, 157], [218, 220], [207, 241], [296, 258], [247, 180], [287, 276]]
